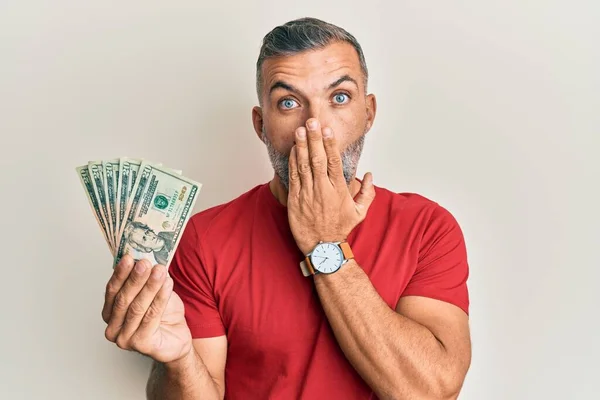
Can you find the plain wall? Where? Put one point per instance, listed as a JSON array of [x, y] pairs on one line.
[[489, 108]]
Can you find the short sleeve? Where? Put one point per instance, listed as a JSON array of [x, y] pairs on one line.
[[191, 283], [442, 269]]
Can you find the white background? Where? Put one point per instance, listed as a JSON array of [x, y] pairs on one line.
[[490, 108]]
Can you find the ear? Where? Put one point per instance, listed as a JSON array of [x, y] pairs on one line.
[[257, 121], [371, 110]]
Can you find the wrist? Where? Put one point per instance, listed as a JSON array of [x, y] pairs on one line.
[[182, 363], [347, 270]]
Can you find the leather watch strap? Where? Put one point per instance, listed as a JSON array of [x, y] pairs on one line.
[[348, 255], [304, 267]]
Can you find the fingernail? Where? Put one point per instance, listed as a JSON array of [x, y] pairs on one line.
[[313, 124], [158, 274], [140, 267], [327, 132], [301, 132]]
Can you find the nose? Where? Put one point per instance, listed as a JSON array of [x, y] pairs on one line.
[[319, 111]]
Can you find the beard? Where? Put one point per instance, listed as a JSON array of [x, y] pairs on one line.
[[280, 162]]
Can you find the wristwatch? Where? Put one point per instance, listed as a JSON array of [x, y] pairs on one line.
[[326, 258]]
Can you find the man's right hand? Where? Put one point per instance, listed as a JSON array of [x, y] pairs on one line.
[[143, 313]]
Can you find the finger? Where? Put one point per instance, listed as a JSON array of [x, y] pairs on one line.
[[365, 196], [153, 317], [335, 169], [120, 274], [316, 151], [138, 307], [294, 176], [123, 299], [302, 160]]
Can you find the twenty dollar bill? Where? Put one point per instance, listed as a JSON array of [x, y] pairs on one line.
[[158, 209]]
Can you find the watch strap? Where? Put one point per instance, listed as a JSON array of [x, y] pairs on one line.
[[346, 250], [306, 270]]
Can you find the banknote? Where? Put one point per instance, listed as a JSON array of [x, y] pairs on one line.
[[135, 167], [111, 178], [97, 174], [84, 176], [132, 165], [158, 209], [124, 186]]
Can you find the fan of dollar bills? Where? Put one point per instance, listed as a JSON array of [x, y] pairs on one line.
[[141, 207]]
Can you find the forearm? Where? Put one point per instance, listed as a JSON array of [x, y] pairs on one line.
[[184, 379], [397, 357]]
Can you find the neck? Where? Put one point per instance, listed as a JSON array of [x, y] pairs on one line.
[[281, 193]]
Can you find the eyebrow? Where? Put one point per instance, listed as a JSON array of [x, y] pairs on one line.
[[287, 86], [345, 78], [282, 85]]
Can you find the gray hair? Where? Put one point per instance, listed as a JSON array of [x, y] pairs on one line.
[[300, 35]]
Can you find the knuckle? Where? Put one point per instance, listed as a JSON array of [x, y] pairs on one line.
[[111, 289], [136, 309], [304, 168], [294, 176], [121, 302], [317, 162], [334, 161], [153, 311], [130, 318]]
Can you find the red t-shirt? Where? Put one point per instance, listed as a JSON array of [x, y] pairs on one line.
[[237, 271]]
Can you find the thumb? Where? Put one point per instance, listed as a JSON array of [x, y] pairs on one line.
[[366, 195]]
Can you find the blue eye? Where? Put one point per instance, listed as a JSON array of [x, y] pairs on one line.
[[288, 103], [339, 98]]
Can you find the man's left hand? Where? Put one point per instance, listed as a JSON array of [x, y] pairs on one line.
[[320, 205]]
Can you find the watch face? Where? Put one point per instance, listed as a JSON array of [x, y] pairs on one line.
[[326, 258]]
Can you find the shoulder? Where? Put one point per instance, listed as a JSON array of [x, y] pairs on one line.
[[410, 203], [427, 217], [223, 215]]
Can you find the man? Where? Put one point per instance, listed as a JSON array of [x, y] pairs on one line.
[[316, 285]]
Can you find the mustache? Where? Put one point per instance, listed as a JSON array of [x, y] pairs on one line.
[[349, 155]]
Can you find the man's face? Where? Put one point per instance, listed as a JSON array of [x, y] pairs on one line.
[[146, 238], [326, 84]]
